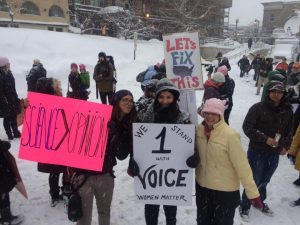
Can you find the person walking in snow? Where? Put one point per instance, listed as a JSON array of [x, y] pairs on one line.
[[244, 65], [268, 126], [13, 102], [250, 42], [37, 71], [264, 69], [104, 78], [78, 87], [51, 86], [223, 166], [8, 180], [225, 62], [164, 109], [119, 145]]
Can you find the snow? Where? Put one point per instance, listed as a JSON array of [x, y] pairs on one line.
[[57, 51]]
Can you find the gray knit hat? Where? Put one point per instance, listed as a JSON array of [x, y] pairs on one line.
[[276, 86], [218, 77], [166, 85]]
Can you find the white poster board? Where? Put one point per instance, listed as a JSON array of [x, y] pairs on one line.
[[161, 151], [183, 61]]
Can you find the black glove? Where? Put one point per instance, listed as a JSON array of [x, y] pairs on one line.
[[192, 161], [4, 145], [133, 168], [292, 158]]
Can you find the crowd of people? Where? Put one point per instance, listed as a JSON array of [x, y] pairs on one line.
[[220, 161]]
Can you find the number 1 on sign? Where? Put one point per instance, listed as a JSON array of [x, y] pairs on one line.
[[161, 150]]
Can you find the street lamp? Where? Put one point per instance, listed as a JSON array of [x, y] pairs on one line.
[[236, 25], [256, 29]]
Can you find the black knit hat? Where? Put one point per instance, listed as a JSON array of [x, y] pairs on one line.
[[119, 95], [45, 86], [166, 85], [276, 86], [102, 54]]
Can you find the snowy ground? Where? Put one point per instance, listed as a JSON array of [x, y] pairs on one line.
[[57, 51]]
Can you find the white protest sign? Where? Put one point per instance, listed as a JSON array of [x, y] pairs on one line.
[[183, 61], [161, 151]]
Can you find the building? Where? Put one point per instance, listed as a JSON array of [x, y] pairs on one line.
[[50, 15], [276, 14]]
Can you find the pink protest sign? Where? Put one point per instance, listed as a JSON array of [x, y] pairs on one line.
[[65, 131]]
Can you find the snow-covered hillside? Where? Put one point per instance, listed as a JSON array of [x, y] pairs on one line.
[[57, 51]]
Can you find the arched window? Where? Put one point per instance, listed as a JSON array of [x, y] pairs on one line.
[[56, 11], [30, 8]]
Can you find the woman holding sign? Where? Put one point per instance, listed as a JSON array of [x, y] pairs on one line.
[[101, 184], [223, 165], [164, 109]]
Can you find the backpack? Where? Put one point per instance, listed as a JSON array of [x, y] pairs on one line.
[[141, 76], [85, 80], [110, 59]]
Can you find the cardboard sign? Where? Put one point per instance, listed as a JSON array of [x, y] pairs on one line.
[[65, 131], [183, 61], [161, 151]]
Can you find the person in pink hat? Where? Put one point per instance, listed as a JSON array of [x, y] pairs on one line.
[[223, 166], [226, 92]]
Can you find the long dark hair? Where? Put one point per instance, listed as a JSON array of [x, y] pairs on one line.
[[127, 120]]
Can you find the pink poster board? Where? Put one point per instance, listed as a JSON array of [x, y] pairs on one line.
[[65, 131]]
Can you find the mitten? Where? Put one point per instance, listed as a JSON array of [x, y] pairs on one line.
[[4, 145], [192, 161], [257, 203], [133, 168]]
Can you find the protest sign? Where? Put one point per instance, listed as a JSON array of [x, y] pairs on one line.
[[161, 151], [183, 61], [64, 131]]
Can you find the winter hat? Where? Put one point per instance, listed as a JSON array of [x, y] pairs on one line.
[[166, 85], [82, 67], [119, 95], [276, 86], [45, 86], [74, 65], [102, 54], [36, 61], [223, 70], [218, 77], [150, 84], [278, 77], [3, 61], [214, 105], [4, 145]]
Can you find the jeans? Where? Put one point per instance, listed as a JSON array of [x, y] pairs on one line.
[[263, 165], [152, 211]]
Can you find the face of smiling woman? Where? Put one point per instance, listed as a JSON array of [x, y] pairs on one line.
[[211, 118], [126, 104]]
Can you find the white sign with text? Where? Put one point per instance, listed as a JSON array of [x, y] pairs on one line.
[[161, 151]]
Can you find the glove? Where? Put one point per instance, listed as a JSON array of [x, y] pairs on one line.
[[192, 161], [292, 158], [5, 145], [133, 168], [257, 203]]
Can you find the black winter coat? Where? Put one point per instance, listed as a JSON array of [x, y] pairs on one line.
[[37, 71], [78, 91], [243, 63], [3, 100], [264, 120], [11, 94], [226, 91], [7, 177], [225, 63]]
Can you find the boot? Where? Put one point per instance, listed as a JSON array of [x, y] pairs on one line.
[[17, 133], [9, 135], [8, 219]]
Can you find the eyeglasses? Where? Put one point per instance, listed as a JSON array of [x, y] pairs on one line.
[[127, 101]]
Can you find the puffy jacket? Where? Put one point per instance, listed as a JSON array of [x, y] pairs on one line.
[[243, 63], [264, 120], [223, 163], [11, 93], [293, 78], [226, 91], [78, 91], [295, 148], [104, 77], [3, 100], [211, 90], [37, 71]]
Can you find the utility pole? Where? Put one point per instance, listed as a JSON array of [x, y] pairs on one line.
[[236, 25]]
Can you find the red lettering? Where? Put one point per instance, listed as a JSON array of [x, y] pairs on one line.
[[196, 82], [169, 48], [179, 44]]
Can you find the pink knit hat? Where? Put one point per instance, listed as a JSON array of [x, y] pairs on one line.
[[223, 70], [3, 61], [214, 105]]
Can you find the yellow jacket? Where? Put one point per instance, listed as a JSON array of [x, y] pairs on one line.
[[295, 148], [223, 162]]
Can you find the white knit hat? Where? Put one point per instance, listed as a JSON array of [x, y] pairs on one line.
[[218, 77]]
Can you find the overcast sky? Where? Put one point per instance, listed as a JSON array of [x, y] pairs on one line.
[[247, 10]]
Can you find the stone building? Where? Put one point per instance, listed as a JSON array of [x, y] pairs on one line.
[[276, 14], [46, 15]]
